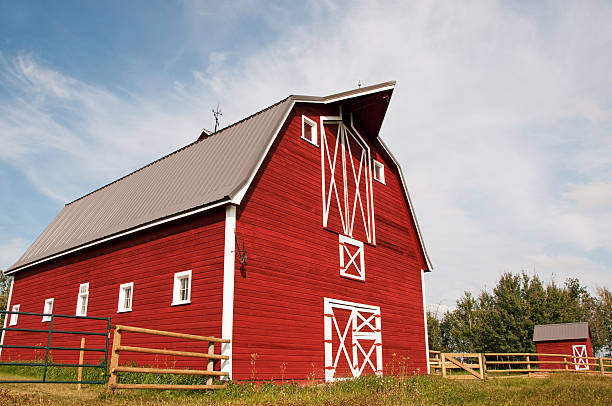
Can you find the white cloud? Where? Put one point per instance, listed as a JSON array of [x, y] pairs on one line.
[[590, 196], [11, 251], [55, 125], [439, 309]]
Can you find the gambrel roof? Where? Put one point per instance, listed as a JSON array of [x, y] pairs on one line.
[[561, 331], [212, 171]]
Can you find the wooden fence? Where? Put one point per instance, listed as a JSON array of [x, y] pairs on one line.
[[497, 365], [210, 356]]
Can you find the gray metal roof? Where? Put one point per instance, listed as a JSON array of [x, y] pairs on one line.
[[562, 331], [206, 171], [216, 169]]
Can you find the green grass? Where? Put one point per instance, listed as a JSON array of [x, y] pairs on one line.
[[562, 389]]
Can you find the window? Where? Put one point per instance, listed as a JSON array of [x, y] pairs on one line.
[[309, 130], [82, 300], [126, 292], [14, 317], [48, 309], [182, 288], [379, 172]]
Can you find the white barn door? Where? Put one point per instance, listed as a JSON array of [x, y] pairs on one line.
[[580, 363], [353, 344]]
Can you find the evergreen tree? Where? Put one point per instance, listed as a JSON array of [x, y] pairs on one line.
[[504, 320]]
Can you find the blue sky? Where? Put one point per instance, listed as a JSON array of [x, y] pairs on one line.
[[501, 118]]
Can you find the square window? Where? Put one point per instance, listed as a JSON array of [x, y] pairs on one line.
[[48, 309], [83, 299], [14, 317], [182, 288], [126, 294], [309, 130], [379, 172]]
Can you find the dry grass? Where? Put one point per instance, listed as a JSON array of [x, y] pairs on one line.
[[560, 389]]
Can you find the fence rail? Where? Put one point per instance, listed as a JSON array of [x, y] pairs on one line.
[[117, 348], [48, 347], [480, 365]]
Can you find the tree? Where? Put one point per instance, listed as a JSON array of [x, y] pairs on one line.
[[601, 322], [433, 329], [5, 283], [503, 320]]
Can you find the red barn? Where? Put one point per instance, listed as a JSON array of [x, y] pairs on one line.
[[573, 339], [290, 232]]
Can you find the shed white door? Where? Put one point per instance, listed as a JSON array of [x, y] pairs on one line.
[[353, 344], [579, 362]]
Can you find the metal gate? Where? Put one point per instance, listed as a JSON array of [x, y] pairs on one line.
[[105, 331]]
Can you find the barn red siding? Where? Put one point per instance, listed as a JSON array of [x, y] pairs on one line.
[[149, 259], [561, 347], [293, 263]]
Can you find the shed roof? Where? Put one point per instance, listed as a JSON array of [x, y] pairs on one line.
[[562, 331], [214, 170]]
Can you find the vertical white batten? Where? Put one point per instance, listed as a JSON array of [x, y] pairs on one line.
[[425, 322], [6, 316], [229, 268]]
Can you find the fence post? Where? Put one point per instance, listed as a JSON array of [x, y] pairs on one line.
[[481, 366], [112, 380], [601, 365], [80, 370], [528, 365], [211, 362], [443, 361], [484, 365], [566, 365]]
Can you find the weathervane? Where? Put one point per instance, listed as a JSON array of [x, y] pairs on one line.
[[217, 113]]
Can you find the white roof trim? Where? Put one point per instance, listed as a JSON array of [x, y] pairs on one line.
[[114, 236], [349, 96], [412, 213]]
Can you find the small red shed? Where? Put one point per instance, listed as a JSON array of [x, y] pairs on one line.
[[573, 339]]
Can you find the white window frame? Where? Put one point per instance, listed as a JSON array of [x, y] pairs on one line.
[[80, 298], [350, 261], [176, 291], [379, 166], [14, 317], [314, 139], [49, 311], [121, 308]]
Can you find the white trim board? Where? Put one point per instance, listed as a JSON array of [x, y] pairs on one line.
[[425, 322], [8, 306], [229, 269]]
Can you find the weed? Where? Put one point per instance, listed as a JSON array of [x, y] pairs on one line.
[[254, 357]]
